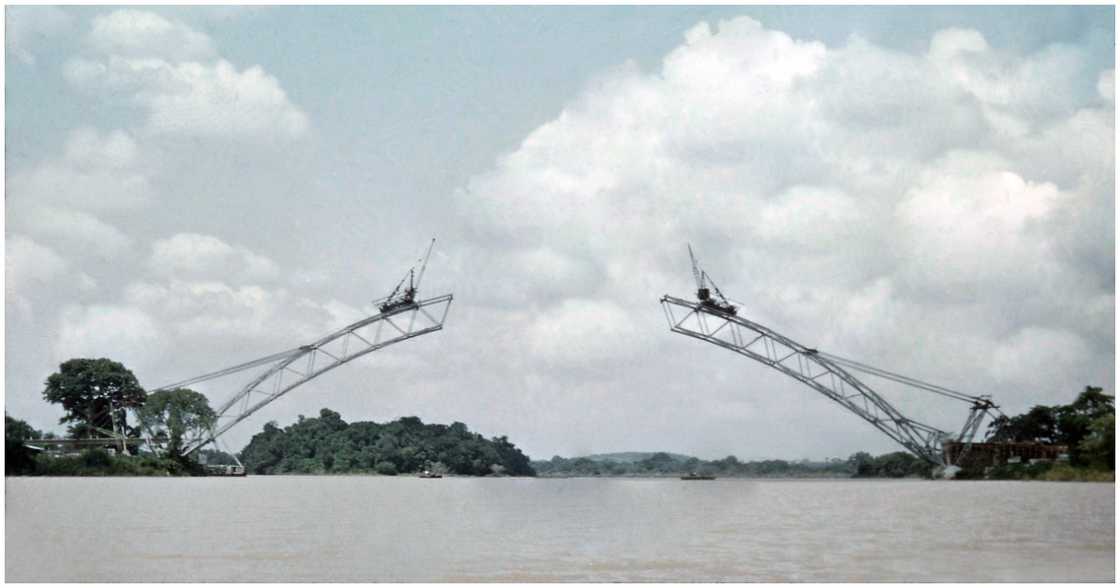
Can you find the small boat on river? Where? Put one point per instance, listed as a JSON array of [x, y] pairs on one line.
[[696, 476], [429, 474]]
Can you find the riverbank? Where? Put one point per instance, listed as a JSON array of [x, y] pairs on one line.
[[100, 463], [1049, 472]]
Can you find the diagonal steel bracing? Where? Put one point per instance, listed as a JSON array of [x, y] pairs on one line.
[[811, 368], [287, 370]]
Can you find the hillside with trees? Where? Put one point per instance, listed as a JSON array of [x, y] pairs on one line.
[[329, 445]]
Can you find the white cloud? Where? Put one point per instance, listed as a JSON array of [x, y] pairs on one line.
[[65, 200], [963, 228], [194, 256], [175, 74], [1016, 361], [582, 331], [78, 231], [1033, 88], [87, 148], [209, 310], [96, 172], [125, 334], [1106, 85], [135, 33], [947, 213], [27, 261], [912, 207], [219, 100]]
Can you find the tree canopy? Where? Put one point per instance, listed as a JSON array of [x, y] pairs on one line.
[[91, 391], [17, 458], [1064, 424], [176, 414], [328, 444]]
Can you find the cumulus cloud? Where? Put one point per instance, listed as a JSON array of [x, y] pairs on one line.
[[125, 334], [193, 256], [582, 331], [213, 310], [65, 200], [177, 76], [96, 171], [1106, 85], [886, 205], [26, 264], [77, 230], [135, 33], [946, 212]]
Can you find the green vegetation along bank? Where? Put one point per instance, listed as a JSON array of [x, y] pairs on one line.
[[21, 460], [328, 445], [99, 395]]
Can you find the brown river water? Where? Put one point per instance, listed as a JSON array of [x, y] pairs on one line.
[[289, 528]]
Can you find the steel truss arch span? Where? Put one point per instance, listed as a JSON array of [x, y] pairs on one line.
[[816, 370], [287, 370]]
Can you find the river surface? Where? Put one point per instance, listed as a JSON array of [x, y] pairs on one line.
[[282, 528]]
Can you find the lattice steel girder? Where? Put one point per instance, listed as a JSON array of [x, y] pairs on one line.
[[806, 366], [291, 369]]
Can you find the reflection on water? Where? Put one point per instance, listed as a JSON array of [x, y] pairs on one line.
[[405, 529]]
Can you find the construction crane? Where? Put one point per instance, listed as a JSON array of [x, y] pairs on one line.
[[402, 316], [718, 304], [400, 298], [716, 320]]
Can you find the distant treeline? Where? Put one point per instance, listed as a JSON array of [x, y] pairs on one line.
[[328, 445], [892, 465]]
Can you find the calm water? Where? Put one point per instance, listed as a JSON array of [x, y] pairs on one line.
[[404, 529]]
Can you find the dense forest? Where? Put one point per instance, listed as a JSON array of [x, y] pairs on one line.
[[892, 465], [328, 445]]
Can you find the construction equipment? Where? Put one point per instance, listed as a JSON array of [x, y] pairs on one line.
[[398, 298], [717, 321], [704, 293], [402, 316]]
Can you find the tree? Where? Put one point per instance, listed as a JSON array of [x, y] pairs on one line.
[[177, 413], [18, 459], [328, 444], [1039, 425], [860, 463], [1065, 424], [1075, 420], [93, 392], [1099, 446]]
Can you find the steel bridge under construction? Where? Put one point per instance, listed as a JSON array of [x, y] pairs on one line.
[[711, 317]]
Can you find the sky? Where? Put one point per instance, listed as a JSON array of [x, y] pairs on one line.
[[926, 189]]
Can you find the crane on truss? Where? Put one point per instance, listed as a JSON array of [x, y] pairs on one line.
[[400, 298], [717, 304], [712, 318], [402, 315]]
